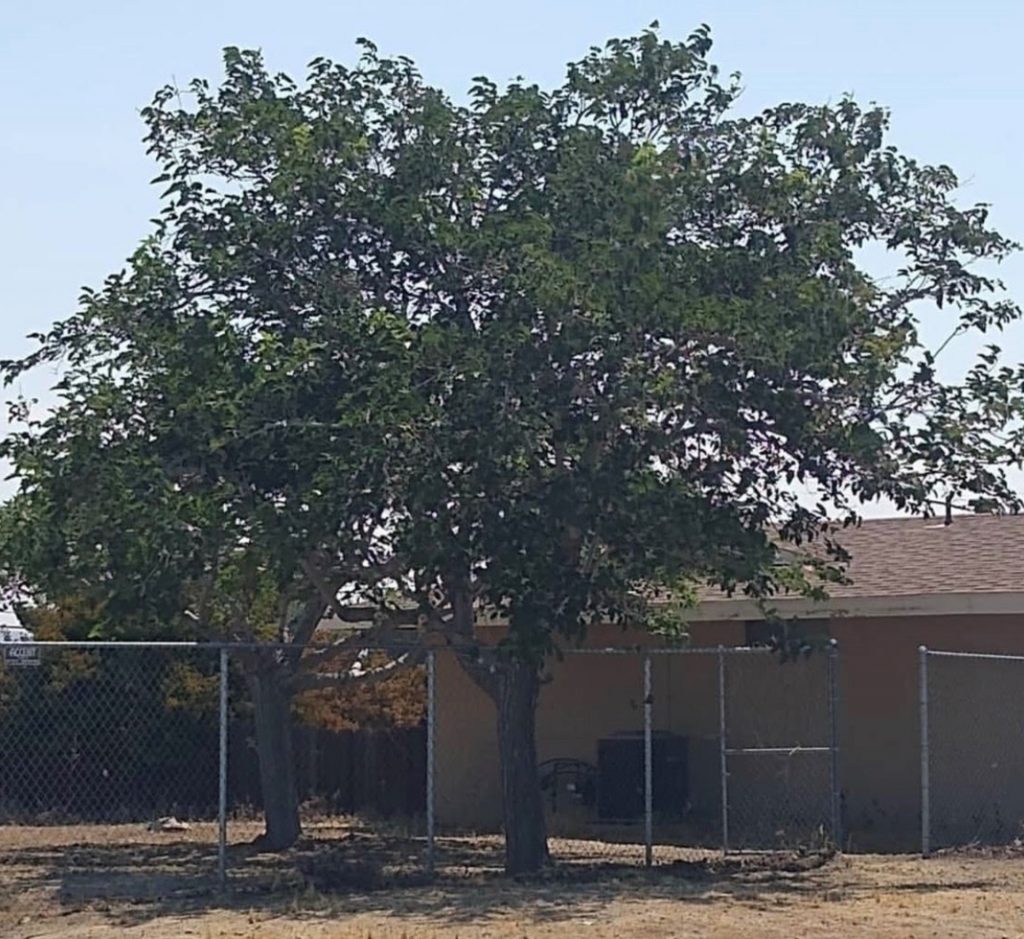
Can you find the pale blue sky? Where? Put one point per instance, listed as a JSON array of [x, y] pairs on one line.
[[75, 197]]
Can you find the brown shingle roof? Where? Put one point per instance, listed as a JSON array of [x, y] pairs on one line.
[[893, 557]]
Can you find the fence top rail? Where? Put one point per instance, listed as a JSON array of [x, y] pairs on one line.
[[661, 650], [212, 646], [989, 656], [396, 648]]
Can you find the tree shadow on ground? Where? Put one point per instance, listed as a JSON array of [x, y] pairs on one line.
[[361, 872]]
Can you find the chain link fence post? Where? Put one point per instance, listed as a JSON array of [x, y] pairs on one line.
[[925, 768], [648, 767], [722, 754], [431, 731], [834, 779], [222, 771]]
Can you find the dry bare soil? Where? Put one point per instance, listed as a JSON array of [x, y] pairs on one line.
[[100, 884]]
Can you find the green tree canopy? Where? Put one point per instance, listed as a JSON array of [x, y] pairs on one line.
[[415, 361]]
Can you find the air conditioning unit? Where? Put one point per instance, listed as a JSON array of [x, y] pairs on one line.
[[620, 775]]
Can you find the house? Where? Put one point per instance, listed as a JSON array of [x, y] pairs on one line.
[[913, 582]]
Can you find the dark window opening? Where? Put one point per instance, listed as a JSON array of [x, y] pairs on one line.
[[795, 634]]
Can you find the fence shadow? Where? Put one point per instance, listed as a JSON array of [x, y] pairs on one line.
[[80, 875], [138, 883]]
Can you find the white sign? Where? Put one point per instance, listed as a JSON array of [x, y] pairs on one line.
[[20, 655]]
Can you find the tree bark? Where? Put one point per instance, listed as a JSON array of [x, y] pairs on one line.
[[272, 702], [514, 687], [526, 843]]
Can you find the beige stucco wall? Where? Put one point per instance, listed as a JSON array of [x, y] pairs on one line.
[[586, 697], [970, 708], [590, 696]]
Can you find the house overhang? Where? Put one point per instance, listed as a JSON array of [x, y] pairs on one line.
[[741, 608], [930, 604]]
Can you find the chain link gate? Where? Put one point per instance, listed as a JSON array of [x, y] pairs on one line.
[[779, 750], [761, 749]]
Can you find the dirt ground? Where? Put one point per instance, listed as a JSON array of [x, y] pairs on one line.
[[55, 883]]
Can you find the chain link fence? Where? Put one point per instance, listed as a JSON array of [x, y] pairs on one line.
[[657, 757], [971, 709], [131, 771], [110, 768]]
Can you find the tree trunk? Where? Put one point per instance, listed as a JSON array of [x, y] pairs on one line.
[[526, 843], [276, 757]]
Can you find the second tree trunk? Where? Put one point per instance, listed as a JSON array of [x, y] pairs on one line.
[[526, 845], [277, 766]]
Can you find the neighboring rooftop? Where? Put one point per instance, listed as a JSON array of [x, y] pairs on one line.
[[980, 556], [910, 556], [899, 566]]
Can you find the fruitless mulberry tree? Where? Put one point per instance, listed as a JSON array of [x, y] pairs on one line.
[[201, 476], [531, 354]]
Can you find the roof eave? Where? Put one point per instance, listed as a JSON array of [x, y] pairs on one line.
[[931, 604]]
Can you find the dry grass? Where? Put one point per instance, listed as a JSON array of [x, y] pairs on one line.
[[106, 882]]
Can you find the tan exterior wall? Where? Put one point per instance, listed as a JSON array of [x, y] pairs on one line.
[[586, 697], [590, 696], [880, 734]]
